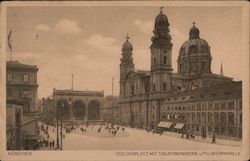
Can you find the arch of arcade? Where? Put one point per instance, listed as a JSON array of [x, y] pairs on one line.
[[79, 105]]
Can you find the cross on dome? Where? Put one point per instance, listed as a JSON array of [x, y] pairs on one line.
[[127, 37]]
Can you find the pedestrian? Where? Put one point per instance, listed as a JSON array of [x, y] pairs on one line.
[[213, 138]]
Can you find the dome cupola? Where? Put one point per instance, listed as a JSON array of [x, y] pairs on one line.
[[161, 21], [194, 55], [127, 46], [161, 36], [194, 32]]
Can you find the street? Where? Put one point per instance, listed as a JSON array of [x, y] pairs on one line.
[[129, 139]]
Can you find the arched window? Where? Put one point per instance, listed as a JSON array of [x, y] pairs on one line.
[[154, 61]]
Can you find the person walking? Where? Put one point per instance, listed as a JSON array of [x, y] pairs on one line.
[[213, 138]]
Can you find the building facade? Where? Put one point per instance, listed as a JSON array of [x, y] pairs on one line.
[[21, 86], [142, 93], [110, 110], [78, 105], [203, 111]]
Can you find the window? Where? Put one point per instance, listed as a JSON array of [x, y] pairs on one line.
[[154, 61], [230, 132], [26, 78], [203, 118], [165, 59], [193, 117], [164, 86], [198, 118], [223, 118], [153, 116], [216, 106], [216, 117], [10, 77], [231, 105], [198, 106], [203, 65], [154, 88], [133, 89], [163, 116], [230, 118], [223, 105], [209, 118], [210, 106]]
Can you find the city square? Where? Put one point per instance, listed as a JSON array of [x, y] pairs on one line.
[[133, 139]]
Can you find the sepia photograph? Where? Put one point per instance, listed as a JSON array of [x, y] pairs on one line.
[[126, 78]]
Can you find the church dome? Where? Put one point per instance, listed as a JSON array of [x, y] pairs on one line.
[[194, 55], [161, 21], [127, 46], [195, 45]]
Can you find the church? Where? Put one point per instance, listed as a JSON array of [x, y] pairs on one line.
[[142, 93]]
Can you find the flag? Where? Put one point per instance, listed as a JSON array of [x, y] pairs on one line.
[[10, 40]]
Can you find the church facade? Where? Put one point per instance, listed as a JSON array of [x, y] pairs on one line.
[[142, 93]]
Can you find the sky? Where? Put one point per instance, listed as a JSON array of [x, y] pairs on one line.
[[86, 41]]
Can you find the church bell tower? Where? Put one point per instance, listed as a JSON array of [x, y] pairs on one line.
[[126, 64], [161, 55]]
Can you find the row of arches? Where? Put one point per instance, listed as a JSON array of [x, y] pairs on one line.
[[80, 110]]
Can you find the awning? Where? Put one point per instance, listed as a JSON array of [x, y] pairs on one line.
[[164, 124], [179, 126]]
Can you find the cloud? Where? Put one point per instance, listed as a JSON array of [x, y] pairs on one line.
[[67, 27], [144, 26], [102, 43], [43, 27]]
